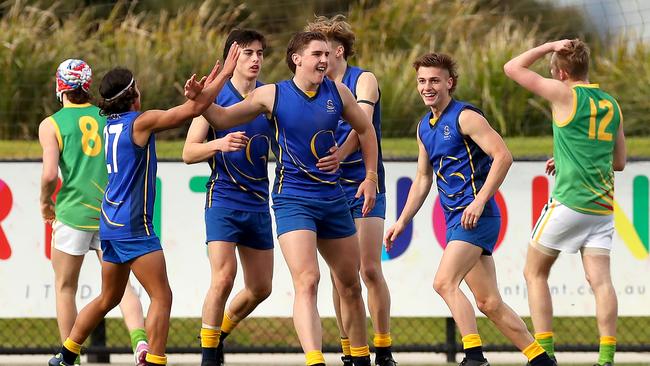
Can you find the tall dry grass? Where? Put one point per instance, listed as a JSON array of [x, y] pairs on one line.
[[164, 48]]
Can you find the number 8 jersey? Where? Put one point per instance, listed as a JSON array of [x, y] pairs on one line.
[[127, 208], [78, 129], [583, 148]]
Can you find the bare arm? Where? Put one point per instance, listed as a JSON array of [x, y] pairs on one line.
[[477, 128], [367, 92], [50, 173], [417, 194], [360, 122], [261, 100], [196, 149], [620, 151], [552, 90], [159, 120]]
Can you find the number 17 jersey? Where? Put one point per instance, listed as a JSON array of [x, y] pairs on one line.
[[127, 208]]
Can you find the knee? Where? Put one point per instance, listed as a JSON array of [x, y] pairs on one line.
[[534, 274], [443, 286], [66, 284], [260, 292], [307, 283], [350, 289], [371, 274], [489, 305], [222, 282], [163, 298], [109, 301]]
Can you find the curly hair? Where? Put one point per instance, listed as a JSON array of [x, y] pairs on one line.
[[118, 92], [336, 29], [441, 61]]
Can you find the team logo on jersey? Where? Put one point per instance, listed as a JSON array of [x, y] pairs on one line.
[[330, 106], [446, 132]]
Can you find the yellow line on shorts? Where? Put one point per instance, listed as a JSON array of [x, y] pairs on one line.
[[548, 216]]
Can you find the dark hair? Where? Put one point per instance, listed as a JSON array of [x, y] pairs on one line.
[[243, 37], [441, 61], [574, 60], [335, 29], [113, 83], [299, 42], [78, 96]]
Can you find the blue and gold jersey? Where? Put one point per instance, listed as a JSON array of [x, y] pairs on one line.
[[127, 207], [353, 170], [239, 179], [304, 132], [459, 165]]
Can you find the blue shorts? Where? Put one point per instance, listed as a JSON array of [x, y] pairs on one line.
[[329, 219], [251, 229], [356, 205], [123, 250], [484, 235]]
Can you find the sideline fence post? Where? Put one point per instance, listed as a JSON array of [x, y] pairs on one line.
[[98, 339], [451, 340]]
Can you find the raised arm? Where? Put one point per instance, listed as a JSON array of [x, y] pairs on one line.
[[477, 128], [50, 173], [360, 122], [518, 70], [159, 120], [417, 194], [196, 149], [261, 100]]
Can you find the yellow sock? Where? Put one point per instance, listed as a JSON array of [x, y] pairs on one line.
[[314, 358], [72, 346], [360, 351], [158, 360], [471, 341], [345, 346], [382, 340], [533, 350], [608, 340], [227, 324], [210, 338]]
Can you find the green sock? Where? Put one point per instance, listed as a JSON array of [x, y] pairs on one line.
[[77, 361], [137, 335], [606, 353], [546, 341]]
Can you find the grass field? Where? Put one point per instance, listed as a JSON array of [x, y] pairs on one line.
[[393, 148]]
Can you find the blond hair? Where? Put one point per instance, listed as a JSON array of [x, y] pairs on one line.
[[336, 29], [573, 59]]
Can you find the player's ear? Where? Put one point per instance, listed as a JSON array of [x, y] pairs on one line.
[[296, 58]]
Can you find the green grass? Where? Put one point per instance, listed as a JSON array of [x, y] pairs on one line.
[[395, 148]]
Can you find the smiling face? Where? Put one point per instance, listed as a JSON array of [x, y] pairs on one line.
[[250, 60], [311, 63], [434, 85]]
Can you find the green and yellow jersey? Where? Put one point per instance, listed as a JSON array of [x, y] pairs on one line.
[[583, 148], [79, 129]]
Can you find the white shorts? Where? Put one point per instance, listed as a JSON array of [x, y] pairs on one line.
[[73, 241], [562, 229]]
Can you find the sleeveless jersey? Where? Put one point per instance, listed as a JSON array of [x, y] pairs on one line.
[[582, 148], [78, 130], [127, 208], [239, 179], [459, 164], [353, 170], [304, 132]]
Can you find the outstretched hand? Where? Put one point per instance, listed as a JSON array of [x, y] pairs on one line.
[[193, 88], [230, 62]]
